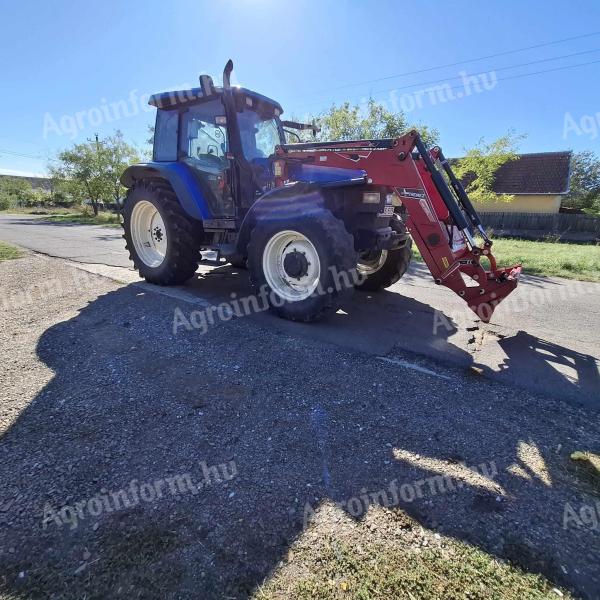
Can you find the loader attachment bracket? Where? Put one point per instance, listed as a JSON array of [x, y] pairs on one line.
[[443, 223]]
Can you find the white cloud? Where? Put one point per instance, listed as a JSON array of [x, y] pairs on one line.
[[18, 173]]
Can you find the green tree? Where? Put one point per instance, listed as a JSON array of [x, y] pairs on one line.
[[584, 188], [150, 140], [92, 170], [370, 121], [17, 191], [66, 192], [480, 164], [118, 155]]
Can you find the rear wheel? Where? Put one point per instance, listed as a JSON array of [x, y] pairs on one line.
[[162, 240], [381, 269], [303, 266]]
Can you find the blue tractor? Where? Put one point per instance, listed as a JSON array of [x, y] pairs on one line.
[[220, 180]]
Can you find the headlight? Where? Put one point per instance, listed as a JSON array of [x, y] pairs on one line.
[[371, 197], [396, 200]]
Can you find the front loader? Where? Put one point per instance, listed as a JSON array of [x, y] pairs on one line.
[[312, 221]]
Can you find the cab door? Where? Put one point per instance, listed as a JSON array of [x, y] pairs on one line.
[[204, 146]]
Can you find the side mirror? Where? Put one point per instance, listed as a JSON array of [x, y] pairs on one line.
[[302, 126]]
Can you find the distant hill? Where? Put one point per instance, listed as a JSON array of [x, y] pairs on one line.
[[37, 183]]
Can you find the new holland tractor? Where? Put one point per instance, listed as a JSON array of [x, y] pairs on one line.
[[311, 221]]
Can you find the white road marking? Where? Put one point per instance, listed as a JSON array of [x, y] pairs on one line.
[[413, 366], [173, 292]]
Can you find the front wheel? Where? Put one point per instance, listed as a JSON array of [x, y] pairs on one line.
[[381, 269], [304, 266]]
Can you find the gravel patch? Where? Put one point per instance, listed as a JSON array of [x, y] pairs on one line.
[[98, 392]]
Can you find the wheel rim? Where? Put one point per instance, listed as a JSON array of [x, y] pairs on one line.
[[368, 267], [291, 265], [148, 233]]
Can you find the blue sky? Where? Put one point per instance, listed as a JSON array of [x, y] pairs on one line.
[[64, 64]]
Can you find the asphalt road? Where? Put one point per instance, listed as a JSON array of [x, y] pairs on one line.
[[81, 243], [543, 338]]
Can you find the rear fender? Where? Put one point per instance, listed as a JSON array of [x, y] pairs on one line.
[[181, 177]]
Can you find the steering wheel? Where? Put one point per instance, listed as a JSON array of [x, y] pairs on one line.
[[209, 157], [261, 167]]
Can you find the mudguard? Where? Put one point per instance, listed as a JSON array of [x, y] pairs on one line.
[[182, 180], [300, 201]]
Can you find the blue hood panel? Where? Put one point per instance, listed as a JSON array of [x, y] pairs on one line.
[[327, 176]]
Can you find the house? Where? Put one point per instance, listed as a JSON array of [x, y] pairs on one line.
[[538, 181]]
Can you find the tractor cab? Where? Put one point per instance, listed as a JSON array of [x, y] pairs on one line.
[[227, 136]]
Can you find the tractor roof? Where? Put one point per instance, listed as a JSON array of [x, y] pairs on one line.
[[179, 98]]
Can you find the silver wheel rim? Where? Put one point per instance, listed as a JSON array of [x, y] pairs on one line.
[[148, 234], [292, 289], [368, 267]]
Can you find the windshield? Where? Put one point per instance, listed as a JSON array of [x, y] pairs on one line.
[[259, 135]]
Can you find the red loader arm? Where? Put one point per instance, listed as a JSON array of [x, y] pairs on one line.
[[440, 216]]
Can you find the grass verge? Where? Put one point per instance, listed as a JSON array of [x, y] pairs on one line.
[[339, 569], [106, 219], [586, 468], [37, 210], [549, 259], [7, 252], [69, 215]]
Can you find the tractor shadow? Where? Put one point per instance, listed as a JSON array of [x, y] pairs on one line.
[[373, 323], [386, 322], [303, 424], [527, 361]]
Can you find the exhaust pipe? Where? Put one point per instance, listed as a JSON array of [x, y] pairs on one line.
[[227, 75]]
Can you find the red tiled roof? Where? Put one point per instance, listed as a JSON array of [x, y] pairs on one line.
[[536, 173]]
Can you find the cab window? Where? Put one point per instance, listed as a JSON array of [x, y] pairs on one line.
[[259, 135], [165, 135], [204, 140]]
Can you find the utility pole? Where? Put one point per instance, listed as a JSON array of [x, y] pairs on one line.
[[94, 202]]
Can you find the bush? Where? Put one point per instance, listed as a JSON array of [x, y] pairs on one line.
[[63, 199], [5, 203], [34, 198], [11, 189]]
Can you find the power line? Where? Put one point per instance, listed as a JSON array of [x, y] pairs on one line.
[[461, 87], [593, 62], [12, 153], [462, 62], [525, 64]]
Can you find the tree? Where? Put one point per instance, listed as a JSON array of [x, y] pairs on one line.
[[17, 191], [370, 121], [150, 140], [118, 155], [66, 192], [93, 169], [584, 188], [480, 164]]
